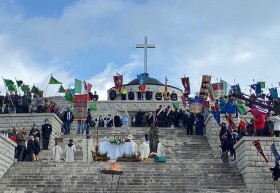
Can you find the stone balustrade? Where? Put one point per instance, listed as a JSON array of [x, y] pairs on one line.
[[7, 153], [255, 171], [18, 121]]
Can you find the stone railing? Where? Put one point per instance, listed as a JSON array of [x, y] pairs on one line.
[[7, 154], [9, 121], [255, 171], [213, 131]]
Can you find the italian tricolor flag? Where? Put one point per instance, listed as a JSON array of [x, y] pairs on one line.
[[79, 87]]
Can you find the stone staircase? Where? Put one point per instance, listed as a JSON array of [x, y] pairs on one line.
[[191, 167]]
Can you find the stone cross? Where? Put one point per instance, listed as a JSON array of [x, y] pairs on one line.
[[145, 46]]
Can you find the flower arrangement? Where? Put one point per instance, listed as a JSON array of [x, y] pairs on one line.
[[117, 139]]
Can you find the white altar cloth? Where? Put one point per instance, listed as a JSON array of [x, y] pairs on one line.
[[115, 150]]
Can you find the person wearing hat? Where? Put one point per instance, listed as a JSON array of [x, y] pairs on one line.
[[46, 133]]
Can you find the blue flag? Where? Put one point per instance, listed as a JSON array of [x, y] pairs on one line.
[[217, 116], [275, 152], [257, 88], [274, 93], [142, 78], [236, 89]]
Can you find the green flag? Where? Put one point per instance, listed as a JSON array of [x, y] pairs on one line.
[[19, 83], [68, 96], [262, 84], [61, 89], [225, 86], [78, 86], [25, 88], [12, 88], [175, 105], [34, 90], [241, 109], [8, 82], [93, 107], [54, 81]]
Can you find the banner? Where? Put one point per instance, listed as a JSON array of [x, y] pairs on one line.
[[218, 89], [118, 80], [186, 85], [80, 106], [205, 80], [196, 104]]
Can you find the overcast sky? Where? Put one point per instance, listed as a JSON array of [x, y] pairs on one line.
[[236, 40]]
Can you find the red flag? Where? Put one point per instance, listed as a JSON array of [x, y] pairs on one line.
[[89, 86], [186, 84], [118, 79], [257, 144]]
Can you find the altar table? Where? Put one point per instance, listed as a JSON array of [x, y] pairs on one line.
[[116, 150]]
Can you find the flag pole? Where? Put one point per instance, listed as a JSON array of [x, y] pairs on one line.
[[5, 84], [47, 88], [17, 86]]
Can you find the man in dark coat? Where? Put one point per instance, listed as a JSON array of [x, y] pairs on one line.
[[139, 118], [168, 117], [173, 96], [199, 124], [68, 119], [190, 124], [112, 94], [35, 132], [95, 96], [150, 119], [149, 94], [117, 121], [88, 121], [176, 118], [30, 148], [131, 95], [46, 133], [159, 96], [160, 117]]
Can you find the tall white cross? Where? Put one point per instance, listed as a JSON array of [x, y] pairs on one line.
[[145, 46]]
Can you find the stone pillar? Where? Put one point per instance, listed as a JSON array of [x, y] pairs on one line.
[[255, 171], [87, 147], [7, 153]]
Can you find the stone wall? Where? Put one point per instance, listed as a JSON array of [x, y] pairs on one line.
[[9, 121], [256, 173], [7, 153]]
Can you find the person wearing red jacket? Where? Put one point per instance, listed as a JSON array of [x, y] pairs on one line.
[[259, 124]]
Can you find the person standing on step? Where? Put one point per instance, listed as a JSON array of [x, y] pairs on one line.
[[22, 138], [35, 132], [37, 148], [169, 117], [150, 119], [100, 121], [56, 151], [30, 149], [68, 118], [88, 121], [117, 120], [190, 124], [46, 133], [70, 151], [160, 116]]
